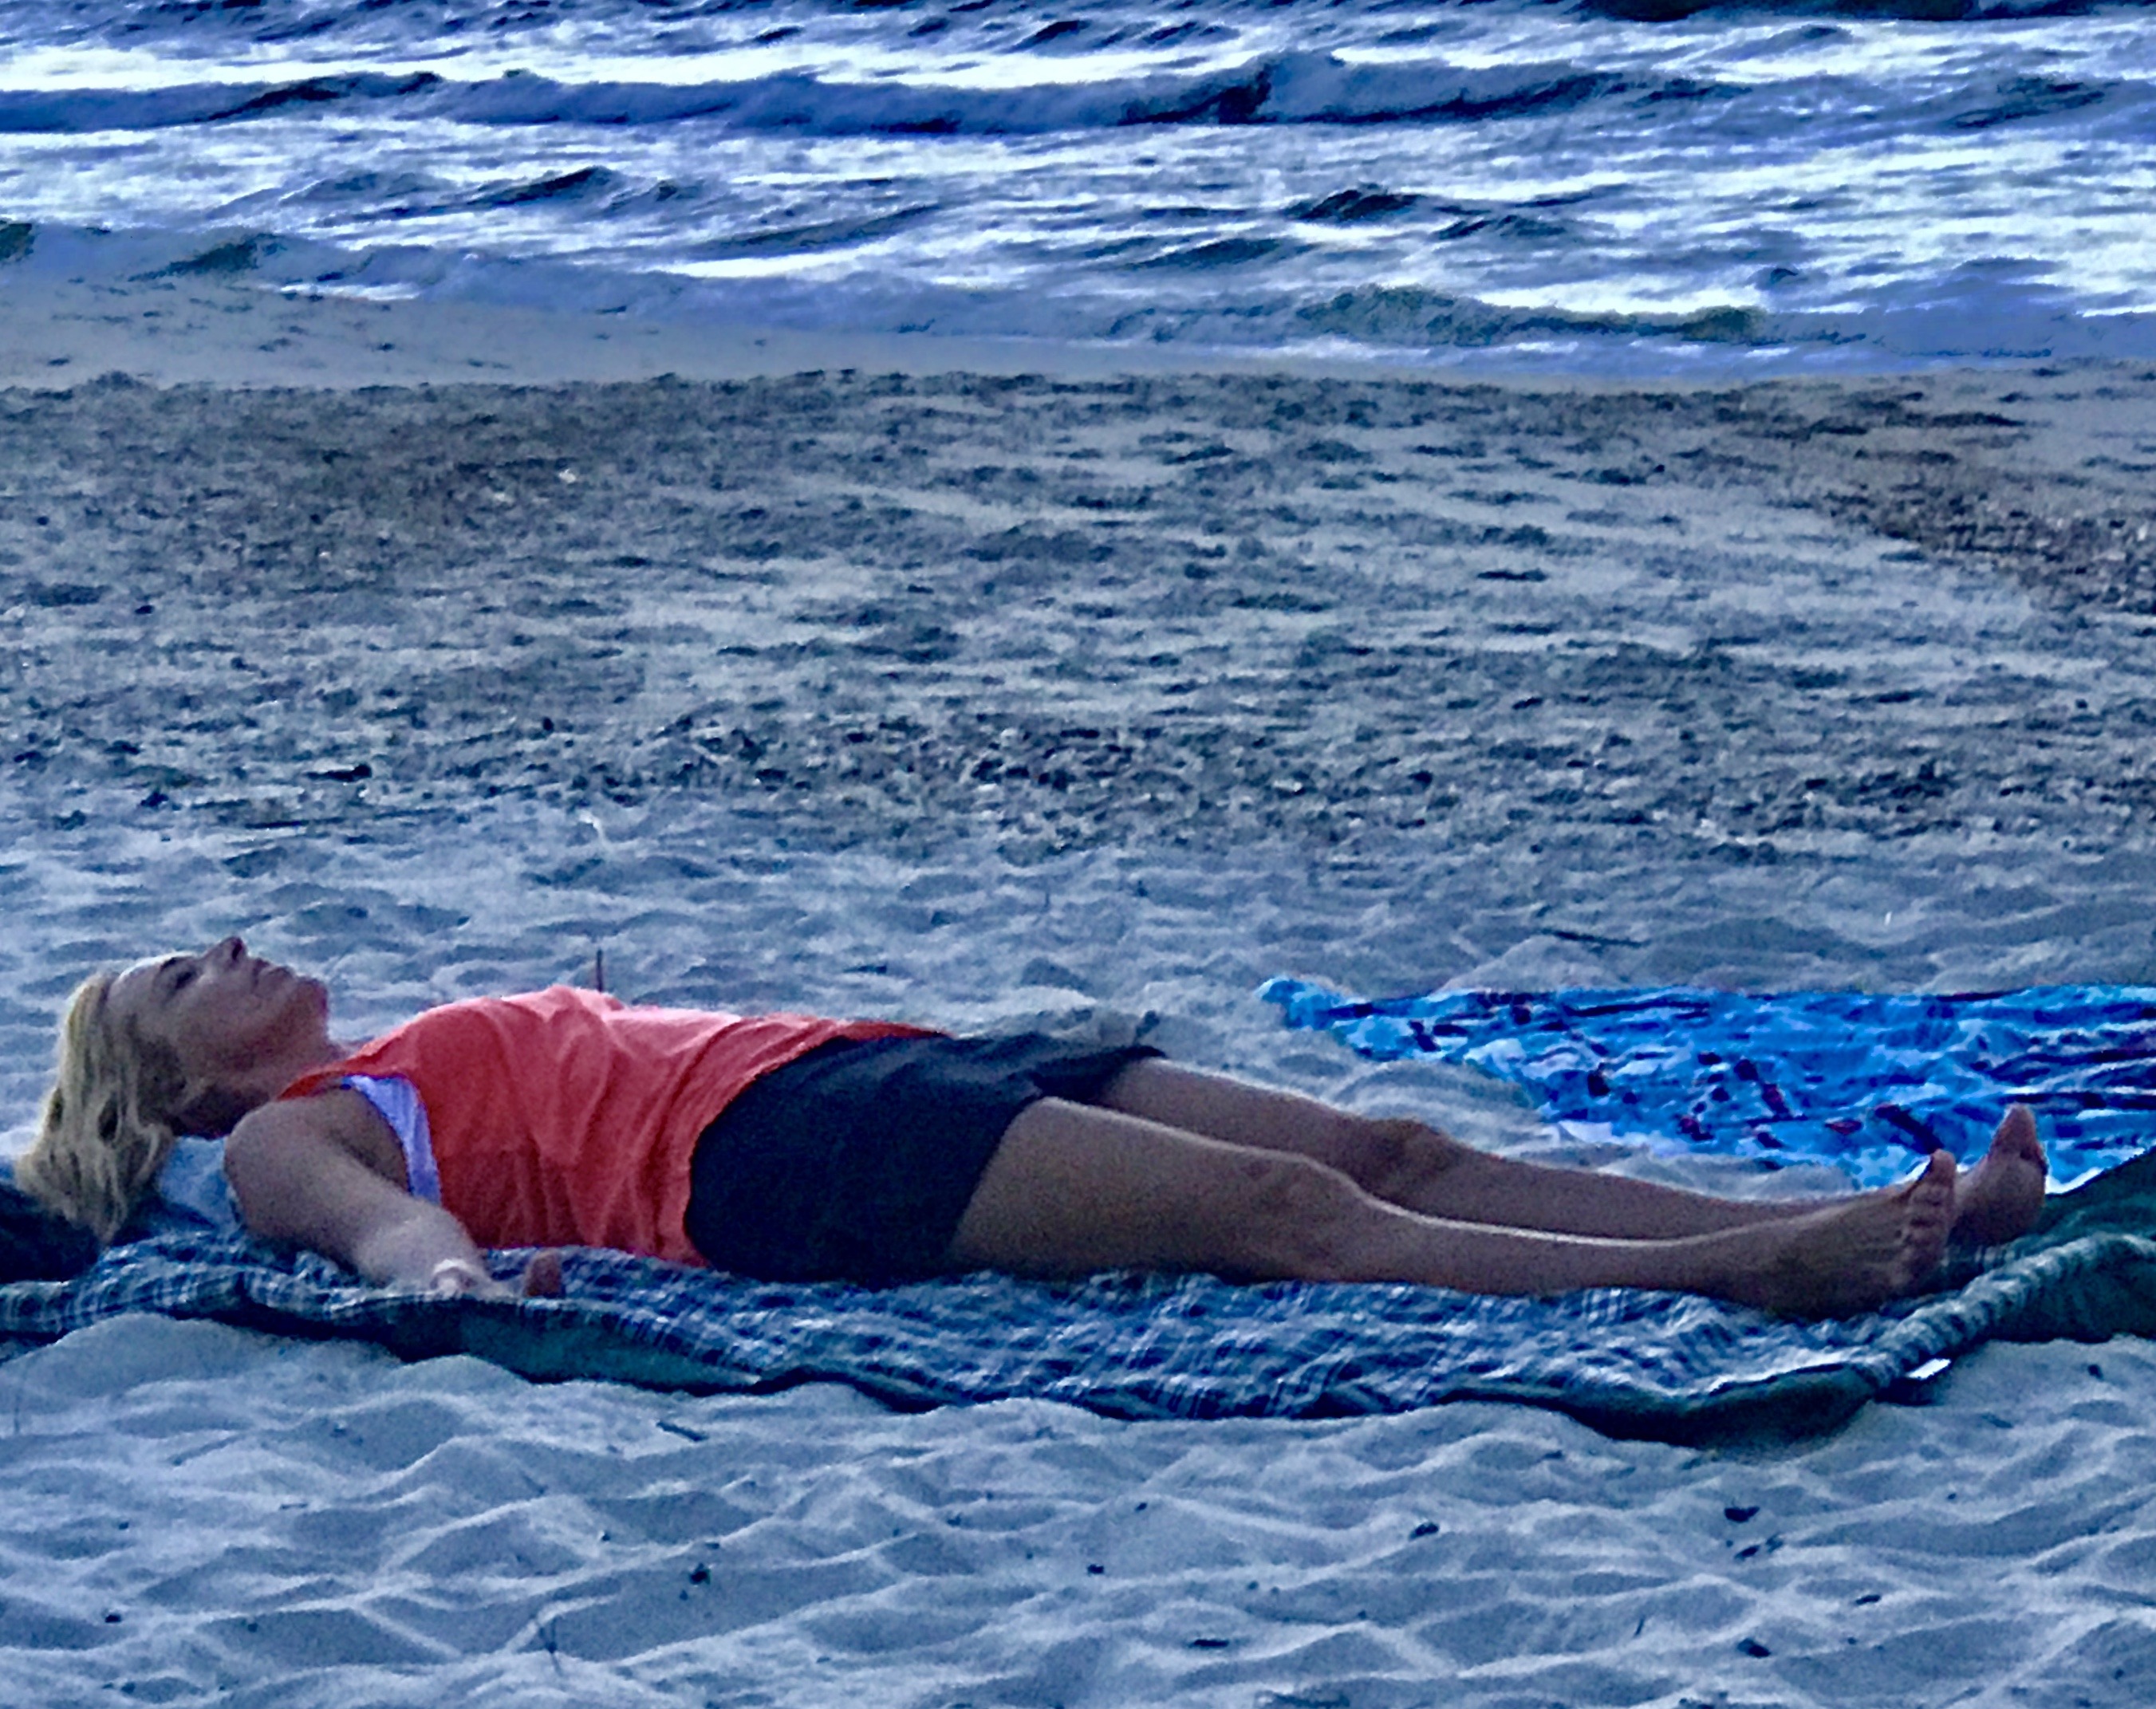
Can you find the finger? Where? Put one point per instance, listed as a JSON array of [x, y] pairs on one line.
[[542, 1276]]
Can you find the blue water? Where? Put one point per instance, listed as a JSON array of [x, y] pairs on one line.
[[1504, 183]]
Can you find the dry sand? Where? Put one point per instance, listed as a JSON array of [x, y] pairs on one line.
[[202, 1515], [1098, 696]]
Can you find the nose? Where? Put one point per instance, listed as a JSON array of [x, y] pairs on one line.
[[229, 949]]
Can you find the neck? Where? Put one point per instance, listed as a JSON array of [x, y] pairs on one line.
[[276, 1075], [264, 1081]]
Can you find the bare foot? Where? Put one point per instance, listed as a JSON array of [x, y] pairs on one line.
[[1998, 1199], [1852, 1256]]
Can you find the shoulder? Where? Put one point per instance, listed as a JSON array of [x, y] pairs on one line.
[[336, 1118]]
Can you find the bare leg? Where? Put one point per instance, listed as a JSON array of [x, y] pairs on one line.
[[1074, 1187], [1413, 1165], [1420, 1168]]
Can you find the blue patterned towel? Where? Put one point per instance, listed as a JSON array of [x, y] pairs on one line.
[[1867, 1082]]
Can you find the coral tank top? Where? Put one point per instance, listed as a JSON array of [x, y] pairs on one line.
[[564, 1117]]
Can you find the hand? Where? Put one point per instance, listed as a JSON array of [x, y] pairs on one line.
[[461, 1278]]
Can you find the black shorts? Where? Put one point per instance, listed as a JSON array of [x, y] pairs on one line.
[[855, 1162]]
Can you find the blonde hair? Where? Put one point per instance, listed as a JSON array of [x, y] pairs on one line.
[[108, 1123]]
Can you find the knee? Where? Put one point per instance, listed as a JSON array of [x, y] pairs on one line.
[[1297, 1220], [1396, 1157]]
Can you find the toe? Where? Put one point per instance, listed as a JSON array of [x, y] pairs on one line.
[[1931, 1192], [2017, 1135]]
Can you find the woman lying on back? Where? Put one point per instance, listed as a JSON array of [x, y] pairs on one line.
[[792, 1148]]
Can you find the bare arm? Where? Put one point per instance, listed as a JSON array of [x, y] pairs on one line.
[[326, 1173]]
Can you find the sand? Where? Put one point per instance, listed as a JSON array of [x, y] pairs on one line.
[[199, 1511], [1068, 690]]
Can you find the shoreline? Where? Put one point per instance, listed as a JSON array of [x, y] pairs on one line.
[[177, 327], [208, 330]]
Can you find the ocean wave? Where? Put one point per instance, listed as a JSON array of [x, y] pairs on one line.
[[70, 110], [819, 236], [1409, 318], [586, 183], [1316, 88], [1286, 88], [1894, 10], [1012, 27]]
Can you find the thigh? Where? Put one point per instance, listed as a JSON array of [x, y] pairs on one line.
[[1379, 1155], [1075, 1188]]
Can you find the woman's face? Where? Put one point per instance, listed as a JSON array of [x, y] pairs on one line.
[[234, 1020]]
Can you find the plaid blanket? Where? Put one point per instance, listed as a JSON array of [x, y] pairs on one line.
[[1866, 1081], [1634, 1364]]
